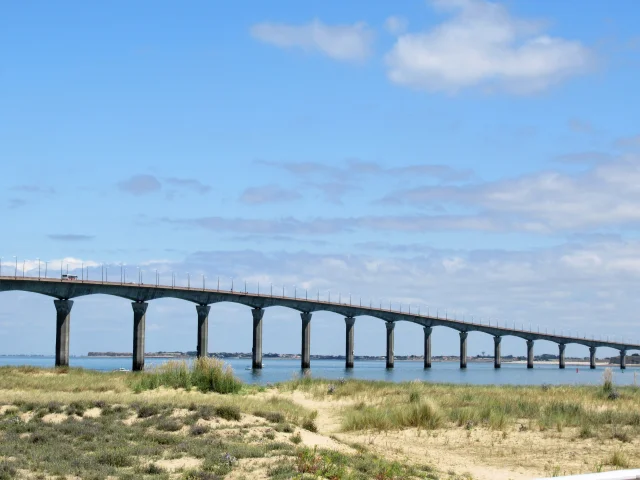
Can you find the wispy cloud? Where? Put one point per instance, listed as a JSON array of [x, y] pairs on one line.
[[70, 237], [188, 184], [628, 142], [145, 184], [395, 24], [605, 195], [268, 194], [35, 189], [334, 181], [14, 203], [355, 168], [140, 185], [340, 42]]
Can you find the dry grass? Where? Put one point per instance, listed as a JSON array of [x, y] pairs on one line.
[[388, 406], [493, 431]]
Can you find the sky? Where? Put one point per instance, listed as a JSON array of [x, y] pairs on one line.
[[480, 158]]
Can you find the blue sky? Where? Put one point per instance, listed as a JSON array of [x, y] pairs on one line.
[[472, 156]]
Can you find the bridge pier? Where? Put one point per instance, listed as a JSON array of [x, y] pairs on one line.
[[390, 328], [497, 359], [561, 347], [349, 322], [203, 330], [256, 350], [63, 320], [592, 358], [139, 314], [427, 346], [463, 349], [305, 354], [623, 359], [529, 353]]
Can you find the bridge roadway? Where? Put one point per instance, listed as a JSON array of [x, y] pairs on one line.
[[140, 294]]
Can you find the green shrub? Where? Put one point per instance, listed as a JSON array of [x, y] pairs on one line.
[[7, 472], [198, 429], [115, 458], [309, 424], [284, 427], [54, 407], [152, 469], [147, 410], [169, 425], [76, 408], [228, 412], [275, 417], [205, 374]]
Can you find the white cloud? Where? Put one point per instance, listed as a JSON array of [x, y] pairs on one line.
[[395, 25], [340, 42], [605, 195], [482, 45]]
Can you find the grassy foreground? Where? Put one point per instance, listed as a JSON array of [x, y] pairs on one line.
[[168, 423], [198, 422]]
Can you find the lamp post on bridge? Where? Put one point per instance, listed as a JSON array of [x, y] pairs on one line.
[[15, 273]]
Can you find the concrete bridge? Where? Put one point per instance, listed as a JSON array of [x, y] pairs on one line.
[[140, 294]]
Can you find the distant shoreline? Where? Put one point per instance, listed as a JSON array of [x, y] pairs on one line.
[[447, 359]]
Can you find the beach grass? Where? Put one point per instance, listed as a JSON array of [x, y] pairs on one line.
[[197, 421], [382, 406]]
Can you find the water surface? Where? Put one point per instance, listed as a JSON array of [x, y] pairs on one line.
[[278, 370]]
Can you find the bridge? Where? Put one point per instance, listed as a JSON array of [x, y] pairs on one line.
[[63, 290]]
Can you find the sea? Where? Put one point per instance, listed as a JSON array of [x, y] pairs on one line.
[[280, 370]]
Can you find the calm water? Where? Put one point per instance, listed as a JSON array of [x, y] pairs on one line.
[[280, 370]]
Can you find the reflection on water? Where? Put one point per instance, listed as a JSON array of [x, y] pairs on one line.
[[448, 372]]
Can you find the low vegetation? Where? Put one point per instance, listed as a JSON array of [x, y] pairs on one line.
[[203, 374], [385, 406], [197, 421]]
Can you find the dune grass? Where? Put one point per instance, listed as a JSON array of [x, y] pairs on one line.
[[173, 408], [203, 374], [388, 406]]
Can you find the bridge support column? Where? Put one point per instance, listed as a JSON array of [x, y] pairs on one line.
[[63, 320], [427, 346], [306, 340], [203, 329], [497, 359], [592, 358], [463, 349], [623, 359], [390, 328], [256, 350], [529, 353], [561, 347], [139, 314], [349, 322]]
